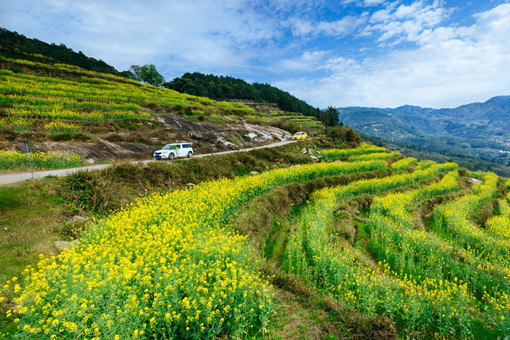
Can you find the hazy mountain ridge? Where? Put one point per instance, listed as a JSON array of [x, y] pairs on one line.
[[476, 129]]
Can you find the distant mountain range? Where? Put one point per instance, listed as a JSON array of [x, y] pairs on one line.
[[477, 129]]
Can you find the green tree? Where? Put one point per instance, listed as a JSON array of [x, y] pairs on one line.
[[342, 133], [128, 74], [222, 88], [135, 70], [329, 117], [147, 74]]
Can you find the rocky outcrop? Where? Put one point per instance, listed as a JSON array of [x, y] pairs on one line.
[[205, 137], [223, 137]]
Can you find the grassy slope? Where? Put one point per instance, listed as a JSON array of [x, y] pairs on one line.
[[98, 106], [302, 311]]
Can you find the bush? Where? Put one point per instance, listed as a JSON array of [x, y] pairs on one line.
[[344, 133], [83, 190]]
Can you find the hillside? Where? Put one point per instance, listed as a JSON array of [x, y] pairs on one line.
[[376, 246], [14, 45], [98, 116], [325, 238], [475, 130]]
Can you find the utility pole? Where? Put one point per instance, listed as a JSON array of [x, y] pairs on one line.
[[29, 158]]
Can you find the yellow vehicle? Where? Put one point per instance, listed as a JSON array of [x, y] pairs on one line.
[[299, 135]]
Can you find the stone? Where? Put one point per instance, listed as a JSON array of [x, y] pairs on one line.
[[78, 218], [66, 245]]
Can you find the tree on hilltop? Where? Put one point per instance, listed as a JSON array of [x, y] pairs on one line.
[[147, 74]]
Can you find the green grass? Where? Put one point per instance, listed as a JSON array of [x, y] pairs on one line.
[[30, 219]]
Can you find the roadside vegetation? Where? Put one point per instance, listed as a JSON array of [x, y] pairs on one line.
[[15, 160]]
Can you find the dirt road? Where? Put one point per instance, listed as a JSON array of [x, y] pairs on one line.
[[13, 178]]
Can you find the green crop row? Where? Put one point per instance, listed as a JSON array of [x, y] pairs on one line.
[[428, 308]]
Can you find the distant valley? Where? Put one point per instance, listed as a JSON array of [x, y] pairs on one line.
[[475, 130]]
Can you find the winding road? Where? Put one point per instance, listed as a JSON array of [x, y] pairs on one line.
[[13, 178]]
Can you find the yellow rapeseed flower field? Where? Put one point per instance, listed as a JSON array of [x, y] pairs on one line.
[[344, 153], [166, 266], [429, 284]]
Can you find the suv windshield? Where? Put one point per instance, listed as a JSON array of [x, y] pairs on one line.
[[169, 147]]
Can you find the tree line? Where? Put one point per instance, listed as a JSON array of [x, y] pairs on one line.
[[225, 88], [11, 43]]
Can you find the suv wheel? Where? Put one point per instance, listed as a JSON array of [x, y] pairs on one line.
[[171, 156], [190, 154]]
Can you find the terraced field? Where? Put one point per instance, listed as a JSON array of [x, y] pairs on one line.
[[79, 104], [297, 121], [418, 248], [52, 103]]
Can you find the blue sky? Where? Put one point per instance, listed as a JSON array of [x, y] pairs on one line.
[[432, 53]]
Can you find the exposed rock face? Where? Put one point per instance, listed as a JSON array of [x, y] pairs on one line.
[[229, 136], [210, 133], [102, 149], [205, 138]]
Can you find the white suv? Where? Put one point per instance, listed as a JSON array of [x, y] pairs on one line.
[[174, 150]]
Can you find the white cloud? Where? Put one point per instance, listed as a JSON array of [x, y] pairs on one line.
[[406, 22], [301, 27], [452, 66], [365, 3], [336, 28], [199, 34], [340, 27], [373, 2], [290, 39], [309, 60]]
